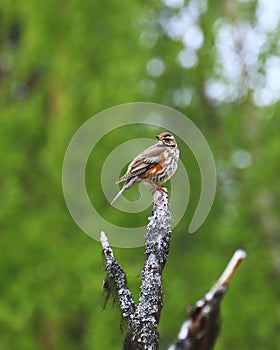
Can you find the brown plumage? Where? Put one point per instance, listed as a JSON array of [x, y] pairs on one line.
[[154, 166]]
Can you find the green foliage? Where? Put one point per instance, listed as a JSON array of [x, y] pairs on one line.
[[62, 62]]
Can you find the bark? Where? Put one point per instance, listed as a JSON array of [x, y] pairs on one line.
[[142, 319]]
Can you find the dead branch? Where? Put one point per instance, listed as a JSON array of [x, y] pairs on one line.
[[116, 281], [201, 329]]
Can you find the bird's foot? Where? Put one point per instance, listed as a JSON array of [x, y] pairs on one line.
[[159, 188]]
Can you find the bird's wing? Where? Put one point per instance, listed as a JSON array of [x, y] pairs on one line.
[[143, 162]]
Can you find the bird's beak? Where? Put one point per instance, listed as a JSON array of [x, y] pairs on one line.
[[159, 138]]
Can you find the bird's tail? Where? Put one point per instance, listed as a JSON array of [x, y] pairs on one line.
[[126, 186], [121, 179], [117, 196]]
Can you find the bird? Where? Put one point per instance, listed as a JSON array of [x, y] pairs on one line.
[[154, 166]]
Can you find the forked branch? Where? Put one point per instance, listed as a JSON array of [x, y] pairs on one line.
[[201, 329]]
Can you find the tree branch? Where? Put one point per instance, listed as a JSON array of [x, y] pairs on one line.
[[143, 333], [201, 329], [116, 282]]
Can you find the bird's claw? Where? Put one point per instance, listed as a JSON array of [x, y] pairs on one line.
[[159, 188]]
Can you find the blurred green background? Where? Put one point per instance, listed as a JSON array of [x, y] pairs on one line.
[[61, 62]]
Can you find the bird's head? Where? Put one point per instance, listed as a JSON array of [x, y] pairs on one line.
[[166, 139]]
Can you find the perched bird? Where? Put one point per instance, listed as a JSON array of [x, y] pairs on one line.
[[154, 166]]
